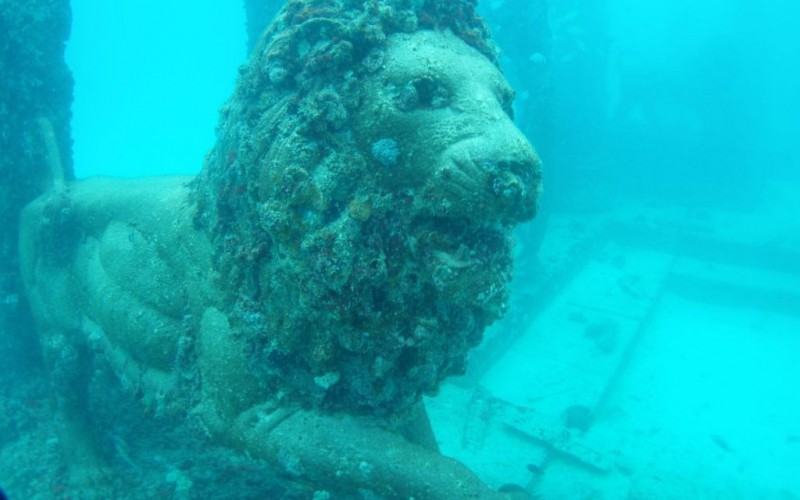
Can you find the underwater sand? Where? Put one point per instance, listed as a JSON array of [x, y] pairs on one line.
[[704, 404]]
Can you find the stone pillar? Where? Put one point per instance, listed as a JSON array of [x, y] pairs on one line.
[[35, 139], [579, 65]]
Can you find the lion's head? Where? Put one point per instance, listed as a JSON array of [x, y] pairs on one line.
[[361, 196]]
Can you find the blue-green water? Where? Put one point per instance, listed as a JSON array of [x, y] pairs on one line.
[[658, 289]]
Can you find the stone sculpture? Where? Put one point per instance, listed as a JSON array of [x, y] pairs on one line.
[[345, 245]]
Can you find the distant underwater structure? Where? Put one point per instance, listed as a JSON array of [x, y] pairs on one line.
[[346, 244]]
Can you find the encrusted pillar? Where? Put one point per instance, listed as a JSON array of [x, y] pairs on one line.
[[35, 140]]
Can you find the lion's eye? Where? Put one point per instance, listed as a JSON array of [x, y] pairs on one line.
[[506, 98], [424, 93]]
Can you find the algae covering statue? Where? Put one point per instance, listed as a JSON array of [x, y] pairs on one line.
[[345, 245]]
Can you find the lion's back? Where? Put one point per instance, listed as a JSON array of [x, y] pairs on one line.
[[115, 265]]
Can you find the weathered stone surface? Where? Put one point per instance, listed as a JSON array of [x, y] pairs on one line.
[[35, 99]]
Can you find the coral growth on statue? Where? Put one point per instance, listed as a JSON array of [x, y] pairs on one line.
[[360, 199]]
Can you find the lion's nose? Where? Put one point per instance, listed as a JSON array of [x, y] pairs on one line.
[[515, 186], [513, 172], [492, 178]]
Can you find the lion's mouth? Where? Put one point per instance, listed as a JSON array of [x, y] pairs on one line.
[[469, 263]]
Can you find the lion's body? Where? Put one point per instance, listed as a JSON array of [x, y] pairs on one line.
[[345, 246]]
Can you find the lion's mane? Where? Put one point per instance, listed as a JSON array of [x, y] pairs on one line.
[[347, 297]]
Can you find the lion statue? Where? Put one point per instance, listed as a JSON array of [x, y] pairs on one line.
[[345, 245]]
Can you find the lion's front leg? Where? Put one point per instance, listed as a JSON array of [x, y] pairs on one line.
[[344, 455]]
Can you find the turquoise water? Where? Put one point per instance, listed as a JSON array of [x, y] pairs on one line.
[[651, 343]]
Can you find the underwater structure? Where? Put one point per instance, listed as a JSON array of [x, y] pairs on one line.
[[345, 245], [35, 100]]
